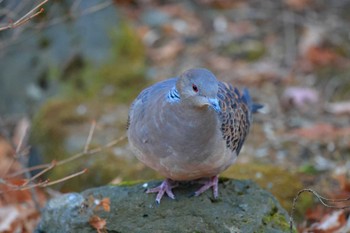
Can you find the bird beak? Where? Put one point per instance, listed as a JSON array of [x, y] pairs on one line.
[[214, 103]]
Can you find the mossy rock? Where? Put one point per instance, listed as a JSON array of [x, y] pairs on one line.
[[241, 207], [62, 125], [119, 79], [60, 132], [284, 185]]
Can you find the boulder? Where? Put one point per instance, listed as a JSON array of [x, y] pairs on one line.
[[242, 206]]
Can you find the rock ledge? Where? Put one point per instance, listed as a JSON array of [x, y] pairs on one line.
[[242, 207]]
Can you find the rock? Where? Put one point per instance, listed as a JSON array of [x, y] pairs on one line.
[[242, 207], [31, 61]]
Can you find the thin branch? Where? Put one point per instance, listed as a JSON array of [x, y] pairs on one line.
[[322, 199], [89, 138], [24, 170], [92, 151], [58, 20], [64, 178], [25, 18], [74, 157], [53, 164], [45, 183], [86, 11]]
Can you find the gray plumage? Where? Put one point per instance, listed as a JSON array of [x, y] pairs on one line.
[[189, 127]]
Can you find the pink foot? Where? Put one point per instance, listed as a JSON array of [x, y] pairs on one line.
[[166, 187], [212, 182]]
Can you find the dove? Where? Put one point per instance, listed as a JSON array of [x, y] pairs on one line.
[[189, 128]]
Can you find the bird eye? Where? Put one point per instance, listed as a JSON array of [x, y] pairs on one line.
[[195, 88]]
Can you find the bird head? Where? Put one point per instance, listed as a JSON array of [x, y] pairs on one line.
[[199, 87]]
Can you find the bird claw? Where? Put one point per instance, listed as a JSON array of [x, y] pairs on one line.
[[212, 182], [165, 187]]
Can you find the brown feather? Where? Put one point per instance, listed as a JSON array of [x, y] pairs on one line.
[[235, 116]]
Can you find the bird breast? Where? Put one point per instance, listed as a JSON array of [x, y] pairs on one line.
[[180, 142]]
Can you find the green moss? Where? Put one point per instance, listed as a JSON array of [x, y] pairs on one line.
[[281, 183], [50, 126], [123, 73], [250, 50], [131, 182], [276, 220], [308, 169], [118, 80], [338, 78]]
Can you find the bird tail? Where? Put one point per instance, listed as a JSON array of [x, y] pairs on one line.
[[253, 107]]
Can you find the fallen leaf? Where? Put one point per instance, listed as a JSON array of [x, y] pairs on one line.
[[105, 203], [321, 132], [311, 37], [298, 4], [334, 222], [97, 223], [8, 216], [338, 108], [320, 56], [299, 97], [168, 51], [344, 182], [315, 214], [12, 196], [8, 164], [222, 4], [220, 63]]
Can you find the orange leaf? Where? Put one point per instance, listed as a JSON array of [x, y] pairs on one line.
[[331, 223], [321, 56], [97, 223], [105, 203]]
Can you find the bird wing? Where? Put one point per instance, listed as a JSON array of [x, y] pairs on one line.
[[143, 98], [235, 115]]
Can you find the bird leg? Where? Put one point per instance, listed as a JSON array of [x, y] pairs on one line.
[[212, 182], [165, 187]]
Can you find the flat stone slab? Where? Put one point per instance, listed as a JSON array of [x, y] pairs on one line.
[[242, 206]]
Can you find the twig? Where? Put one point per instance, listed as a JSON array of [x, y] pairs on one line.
[[41, 184], [322, 199], [25, 18], [92, 151], [37, 167], [88, 140], [53, 164], [64, 178], [74, 157], [66, 17], [86, 11]]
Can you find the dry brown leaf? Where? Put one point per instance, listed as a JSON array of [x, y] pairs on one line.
[[98, 223], [220, 63], [319, 56], [222, 4], [7, 162], [321, 132], [168, 51], [331, 223], [298, 4], [19, 218], [105, 203], [344, 182], [10, 196], [316, 214], [299, 97], [8, 216], [338, 108]]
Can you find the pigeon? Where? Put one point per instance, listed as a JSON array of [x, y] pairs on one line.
[[189, 128]]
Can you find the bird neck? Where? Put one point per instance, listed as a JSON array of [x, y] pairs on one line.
[[197, 116]]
